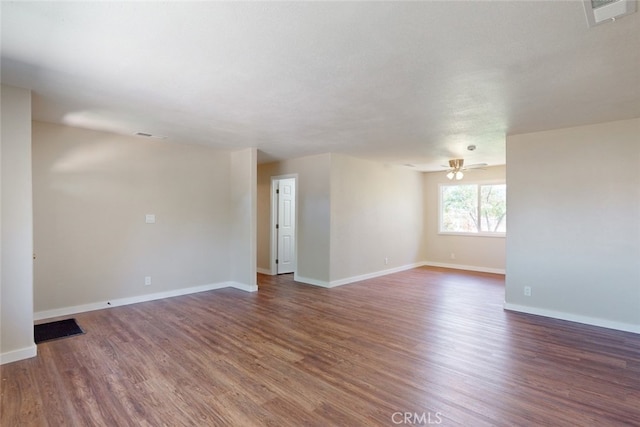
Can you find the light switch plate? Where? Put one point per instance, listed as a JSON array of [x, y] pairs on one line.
[[150, 219]]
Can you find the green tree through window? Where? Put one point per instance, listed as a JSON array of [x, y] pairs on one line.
[[473, 208]]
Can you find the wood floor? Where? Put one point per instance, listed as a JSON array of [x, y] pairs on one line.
[[432, 343]]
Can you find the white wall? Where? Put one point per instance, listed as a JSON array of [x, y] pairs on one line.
[[376, 213], [471, 252], [16, 249], [313, 218], [91, 193], [242, 245], [574, 224]]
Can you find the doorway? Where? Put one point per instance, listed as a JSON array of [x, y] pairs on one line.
[[283, 224]]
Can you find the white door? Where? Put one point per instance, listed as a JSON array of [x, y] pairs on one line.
[[286, 226]]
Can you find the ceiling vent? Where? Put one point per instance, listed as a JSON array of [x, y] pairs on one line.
[[601, 11]]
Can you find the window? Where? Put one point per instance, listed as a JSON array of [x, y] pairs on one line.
[[479, 209]]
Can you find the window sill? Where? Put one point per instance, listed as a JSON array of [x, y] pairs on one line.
[[452, 233]]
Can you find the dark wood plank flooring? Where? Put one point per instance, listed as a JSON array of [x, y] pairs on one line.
[[433, 343]]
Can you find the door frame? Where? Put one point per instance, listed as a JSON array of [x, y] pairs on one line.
[[274, 220]]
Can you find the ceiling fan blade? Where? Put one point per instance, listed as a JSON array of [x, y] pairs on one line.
[[476, 166]]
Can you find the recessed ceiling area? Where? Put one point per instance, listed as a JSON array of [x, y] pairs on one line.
[[397, 82]]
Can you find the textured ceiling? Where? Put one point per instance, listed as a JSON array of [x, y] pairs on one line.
[[396, 82]]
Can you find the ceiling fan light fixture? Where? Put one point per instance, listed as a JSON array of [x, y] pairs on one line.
[[456, 163], [457, 168]]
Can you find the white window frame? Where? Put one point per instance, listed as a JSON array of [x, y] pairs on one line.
[[466, 233]]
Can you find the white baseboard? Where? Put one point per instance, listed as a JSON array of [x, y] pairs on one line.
[[243, 286], [347, 280], [464, 267], [264, 271], [593, 321], [309, 281], [366, 276], [20, 354], [65, 311]]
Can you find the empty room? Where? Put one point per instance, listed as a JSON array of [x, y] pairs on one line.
[[320, 213]]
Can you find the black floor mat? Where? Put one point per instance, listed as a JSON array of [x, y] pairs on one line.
[[56, 330]]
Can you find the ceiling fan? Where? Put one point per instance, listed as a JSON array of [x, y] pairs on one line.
[[456, 168]]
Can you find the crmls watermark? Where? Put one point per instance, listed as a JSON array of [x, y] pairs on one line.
[[416, 418]]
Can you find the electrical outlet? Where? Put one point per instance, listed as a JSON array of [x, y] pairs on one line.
[[527, 291], [453, 255], [147, 280], [386, 260]]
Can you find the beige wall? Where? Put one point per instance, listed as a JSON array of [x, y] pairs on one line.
[[313, 197], [243, 219], [376, 213], [574, 224], [16, 225], [91, 193], [471, 252]]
